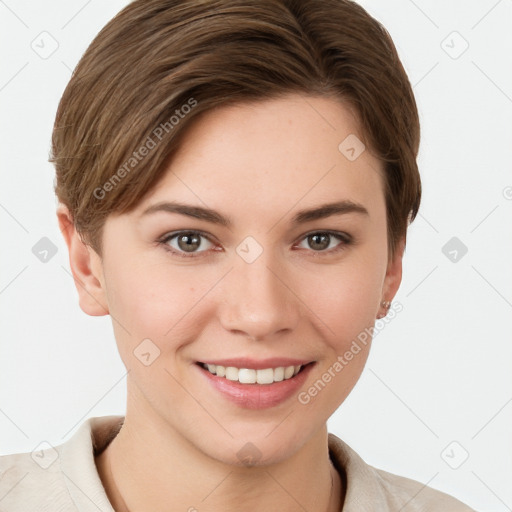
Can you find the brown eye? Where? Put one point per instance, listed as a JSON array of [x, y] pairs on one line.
[[319, 242], [187, 243], [326, 241]]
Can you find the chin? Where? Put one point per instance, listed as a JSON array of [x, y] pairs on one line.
[[266, 447]]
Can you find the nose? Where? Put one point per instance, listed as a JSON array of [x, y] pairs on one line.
[[257, 301]]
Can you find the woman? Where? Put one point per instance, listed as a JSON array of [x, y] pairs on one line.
[[235, 182]]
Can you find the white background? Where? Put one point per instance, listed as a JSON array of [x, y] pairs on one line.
[[439, 372]]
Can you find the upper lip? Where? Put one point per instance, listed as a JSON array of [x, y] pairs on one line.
[[258, 364]]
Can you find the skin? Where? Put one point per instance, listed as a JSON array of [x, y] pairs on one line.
[[258, 164]]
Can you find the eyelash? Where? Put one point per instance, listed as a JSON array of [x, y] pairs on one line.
[[345, 238]]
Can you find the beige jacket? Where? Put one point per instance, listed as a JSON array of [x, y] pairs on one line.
[[64, 478]]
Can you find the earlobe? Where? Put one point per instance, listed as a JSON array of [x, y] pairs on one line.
[[392, 279], [85, 266]]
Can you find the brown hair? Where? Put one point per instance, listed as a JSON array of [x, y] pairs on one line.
[[159, 63]]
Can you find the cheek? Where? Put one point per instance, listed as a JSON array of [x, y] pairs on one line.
[[344, 298], [157, 302], [345, 301]]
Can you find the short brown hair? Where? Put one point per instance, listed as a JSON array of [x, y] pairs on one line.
[[157, 57]]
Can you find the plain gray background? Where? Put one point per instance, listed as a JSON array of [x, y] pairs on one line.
[[435, 401]]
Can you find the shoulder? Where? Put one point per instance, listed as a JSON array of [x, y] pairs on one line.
[[367, 486], [402, 492], [32, 481], [60, 478]]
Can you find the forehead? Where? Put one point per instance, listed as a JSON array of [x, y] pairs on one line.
[[275, 154]]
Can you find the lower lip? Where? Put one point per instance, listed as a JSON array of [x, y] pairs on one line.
[[257, 396]]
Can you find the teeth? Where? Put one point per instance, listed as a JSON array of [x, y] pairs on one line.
[[231, 373], [288, 372], [246, 376], [250, 376], [278, 374], [263, 376]]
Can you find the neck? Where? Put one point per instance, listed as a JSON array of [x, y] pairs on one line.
[[147, 468]]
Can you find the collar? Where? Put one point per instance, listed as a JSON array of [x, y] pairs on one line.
[[362, 484]]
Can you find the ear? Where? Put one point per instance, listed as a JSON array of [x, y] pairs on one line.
[[393, 276], [86, 267]]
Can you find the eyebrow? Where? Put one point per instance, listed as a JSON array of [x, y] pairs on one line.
[[307, 215]]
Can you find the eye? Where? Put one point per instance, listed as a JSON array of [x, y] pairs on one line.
[[186, 243], [190, 243], [322, 241]]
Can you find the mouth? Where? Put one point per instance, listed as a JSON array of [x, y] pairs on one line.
[[265, 376], [252, 384]]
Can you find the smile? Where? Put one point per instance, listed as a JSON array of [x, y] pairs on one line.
[[256, 384], [252, 376]]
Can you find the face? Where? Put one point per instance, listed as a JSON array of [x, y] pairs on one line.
[[234, 260]]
